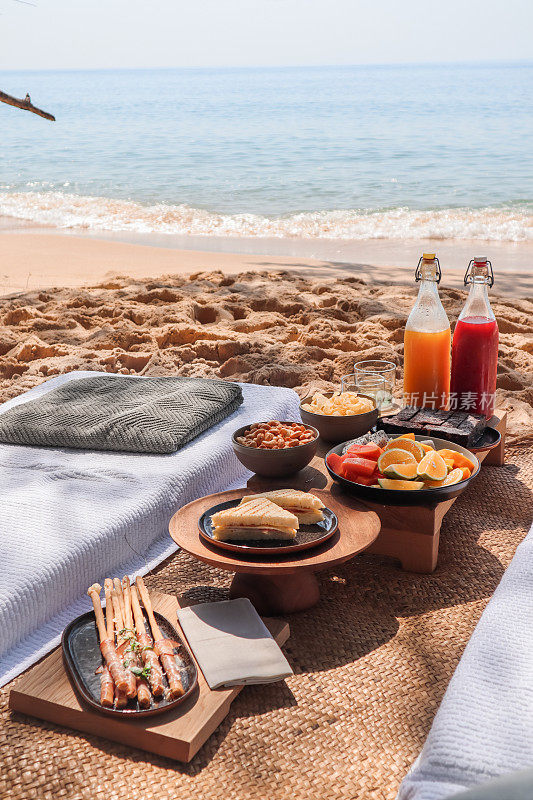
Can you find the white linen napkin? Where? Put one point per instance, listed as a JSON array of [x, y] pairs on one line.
[[232, 644]]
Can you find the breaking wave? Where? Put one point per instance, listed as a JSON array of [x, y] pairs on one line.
[[63, 210]]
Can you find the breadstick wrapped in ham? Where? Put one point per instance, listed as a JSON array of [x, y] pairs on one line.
[[144, 696], [119, 697], [148, 655], [107, 688], [124, 635], [163, 647], [107, 684], [107, 646]]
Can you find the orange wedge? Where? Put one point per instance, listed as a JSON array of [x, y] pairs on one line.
[[432, 467], [394, 456], [402, 472], [406, 444], [386, 483], [454, 476], [459, 459]]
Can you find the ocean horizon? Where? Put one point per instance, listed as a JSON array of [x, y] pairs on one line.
[[436, 151]]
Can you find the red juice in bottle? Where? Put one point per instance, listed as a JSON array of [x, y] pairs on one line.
[[475, 346]]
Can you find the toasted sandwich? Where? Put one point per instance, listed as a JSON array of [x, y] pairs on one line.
[[258, 519], [307, 507]]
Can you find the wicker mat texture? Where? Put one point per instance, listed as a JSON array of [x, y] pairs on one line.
[[371, 662]]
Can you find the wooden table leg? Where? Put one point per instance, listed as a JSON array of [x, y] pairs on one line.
[[277, 594], [496, 457], [411, 534], [417, 552]]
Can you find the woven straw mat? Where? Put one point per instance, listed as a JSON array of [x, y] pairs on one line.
[[371, 663]]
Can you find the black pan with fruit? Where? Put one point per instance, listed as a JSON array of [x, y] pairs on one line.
[[408, 470]]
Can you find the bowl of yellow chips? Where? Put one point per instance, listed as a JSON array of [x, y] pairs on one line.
[[339, 416]]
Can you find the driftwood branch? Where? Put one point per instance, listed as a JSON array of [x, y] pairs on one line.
[[25, 104]]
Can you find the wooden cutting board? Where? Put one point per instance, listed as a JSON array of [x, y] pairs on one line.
[[45, 691]]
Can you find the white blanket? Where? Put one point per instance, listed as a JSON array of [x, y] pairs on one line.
[[484, 726], [71, 517]]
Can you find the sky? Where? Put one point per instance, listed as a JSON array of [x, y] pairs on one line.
[[96, 34]]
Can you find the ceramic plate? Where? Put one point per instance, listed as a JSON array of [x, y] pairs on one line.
[[307, 536], [82, 657], [406, 497]]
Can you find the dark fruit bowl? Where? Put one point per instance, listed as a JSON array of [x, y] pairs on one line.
[[274, 463], [406, 497], [340, 429]]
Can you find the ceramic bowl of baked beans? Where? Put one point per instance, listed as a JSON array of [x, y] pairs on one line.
[[274, 449]]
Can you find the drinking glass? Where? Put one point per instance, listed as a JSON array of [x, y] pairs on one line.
[[368, 383], [384, 369]]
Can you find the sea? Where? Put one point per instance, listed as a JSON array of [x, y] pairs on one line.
[[352, 152]]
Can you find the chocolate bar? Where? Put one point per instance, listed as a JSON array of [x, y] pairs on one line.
[[455, 426]]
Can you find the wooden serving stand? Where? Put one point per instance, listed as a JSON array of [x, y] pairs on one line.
[[45, 691], [408, 533], [279, 584]]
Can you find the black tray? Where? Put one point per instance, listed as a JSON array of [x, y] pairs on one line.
[[82, 656], [307, 536], [489, 439]]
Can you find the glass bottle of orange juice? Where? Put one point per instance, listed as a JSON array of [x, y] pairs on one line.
[[426, 381]]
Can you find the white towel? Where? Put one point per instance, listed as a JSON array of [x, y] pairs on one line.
[[69, 518], [484, 726], [232, 644]]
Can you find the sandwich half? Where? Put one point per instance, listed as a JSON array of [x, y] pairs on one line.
[[258, 519], [307, 507]]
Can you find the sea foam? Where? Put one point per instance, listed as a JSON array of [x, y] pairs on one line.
[[63, 210]]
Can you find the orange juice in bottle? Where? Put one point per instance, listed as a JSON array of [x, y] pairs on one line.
[[426, 381]]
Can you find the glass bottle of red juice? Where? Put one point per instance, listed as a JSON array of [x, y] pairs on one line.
[[475, 345]]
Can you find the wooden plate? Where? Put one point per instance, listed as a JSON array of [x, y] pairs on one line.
[[82, 657], [307, 536]]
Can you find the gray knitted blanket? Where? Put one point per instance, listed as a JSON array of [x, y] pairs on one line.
[[138, 415]]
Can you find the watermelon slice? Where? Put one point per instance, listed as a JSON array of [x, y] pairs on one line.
[[335, 462], [354, 467], [372, 451]]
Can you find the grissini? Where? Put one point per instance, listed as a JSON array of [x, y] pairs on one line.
[[163, 647], [144, 696], [123, 637], [120, 697], [107, 685], [149, 656], [107, 646]]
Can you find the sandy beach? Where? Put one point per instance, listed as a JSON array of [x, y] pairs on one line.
[[77, 302], [35, 257]]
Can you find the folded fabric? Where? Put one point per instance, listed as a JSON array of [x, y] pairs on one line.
[[484, 726], [232, 644], [516, 786], [155, 415]]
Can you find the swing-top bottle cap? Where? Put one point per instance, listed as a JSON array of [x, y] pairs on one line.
[[428, 268], [479, 270]]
